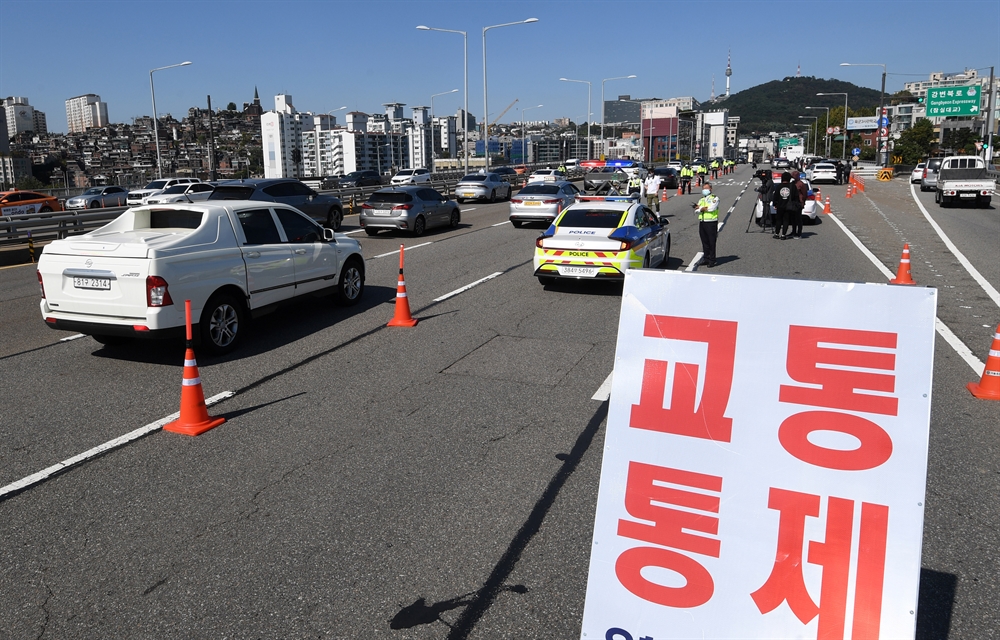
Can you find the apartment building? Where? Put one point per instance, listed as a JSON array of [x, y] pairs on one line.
[[21, 116], [86, 112]]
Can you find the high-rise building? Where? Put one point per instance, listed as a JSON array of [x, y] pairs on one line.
[[21, 116], [86, 112]]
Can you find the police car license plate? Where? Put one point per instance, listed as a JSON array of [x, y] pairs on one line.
[[586, 272], [92, 283]]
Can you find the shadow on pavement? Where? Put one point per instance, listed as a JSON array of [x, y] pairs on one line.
[[934, 604]]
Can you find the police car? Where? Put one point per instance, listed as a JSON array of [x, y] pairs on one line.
[[600, 237]]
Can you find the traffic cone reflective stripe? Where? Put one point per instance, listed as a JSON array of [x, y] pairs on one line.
[[402, 317], [903, 271], [194, 419], [988, 387]]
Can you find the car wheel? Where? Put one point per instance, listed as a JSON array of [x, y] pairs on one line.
[[510, 192], [460, 200], [516, 223], [45, 210], [112, 341], [223, 323], [983, 202], [334, 218], [493, 196], [418, 226], [371, 232], [937, 197], [352, 282], [95, 205], [666, 254], [456, 218], [546, 280]]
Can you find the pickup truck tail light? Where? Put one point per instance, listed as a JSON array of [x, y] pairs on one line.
[[157, 294], [41, 285]]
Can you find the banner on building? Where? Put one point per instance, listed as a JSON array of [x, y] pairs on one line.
[[865, 123], [765, 464]]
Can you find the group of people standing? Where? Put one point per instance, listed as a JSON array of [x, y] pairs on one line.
[[783, 201]]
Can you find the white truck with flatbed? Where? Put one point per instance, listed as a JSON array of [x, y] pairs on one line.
[[232, 259], [964, 179]]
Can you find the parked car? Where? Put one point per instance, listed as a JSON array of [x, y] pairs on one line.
[[13, 203], [917, 175], [408, 208], [541, 201], [138, 196], [97, 197], [669, 177], [482, 186], [183, 193], [324, 209], [411, 176], [361, 179], [231, 259], [929, 181]]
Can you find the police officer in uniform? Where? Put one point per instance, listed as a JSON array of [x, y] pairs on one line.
[[702, 174], [715, 169], [708, 223], [687, 174], [634, 185]]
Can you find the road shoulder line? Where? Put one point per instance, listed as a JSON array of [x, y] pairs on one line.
[[468, 286]]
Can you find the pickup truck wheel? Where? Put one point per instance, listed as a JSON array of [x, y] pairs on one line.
[[418, 226], [334, 218], [222, 324], [455, 219], [983, 202], [112, 341], [352, 282]]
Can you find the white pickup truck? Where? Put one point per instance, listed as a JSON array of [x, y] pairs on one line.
[[232, 259], [964, 179]]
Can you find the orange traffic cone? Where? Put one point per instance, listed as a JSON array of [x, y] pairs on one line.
[[663, 196], [680, 192], [194, 419], [903, 271], [826, 207], [850, 189], [402, 318], [989, 386]]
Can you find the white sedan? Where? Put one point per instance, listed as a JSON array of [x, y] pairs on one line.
[[182, 193], [917, 175], [823, 171], [547, 175], [411, 176]]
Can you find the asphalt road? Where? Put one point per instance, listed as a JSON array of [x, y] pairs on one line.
[[433, 482]]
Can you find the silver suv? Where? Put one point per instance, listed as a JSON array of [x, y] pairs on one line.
[[929, 181], [408, 208]]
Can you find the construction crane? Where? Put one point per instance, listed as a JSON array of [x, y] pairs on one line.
[[502, 114]]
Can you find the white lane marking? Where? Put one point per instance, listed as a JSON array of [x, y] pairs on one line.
[[68, 338], [500, 224], [351, 233], [468, 286], [469, 209], [695, 260], [978, 277], [604, 391], [35, 478], [392, 253], [949, 336]]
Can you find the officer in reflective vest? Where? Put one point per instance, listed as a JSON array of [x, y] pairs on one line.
[[634, 185], [687, 174], [708, 223], [702, 174]]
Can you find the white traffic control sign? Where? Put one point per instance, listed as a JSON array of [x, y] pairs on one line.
[[765, 464]]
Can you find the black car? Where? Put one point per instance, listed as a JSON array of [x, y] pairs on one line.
[[361, 179], [504, 172], [669, 178], [324, 209]]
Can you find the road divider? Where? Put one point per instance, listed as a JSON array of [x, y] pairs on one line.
[[468, 286]]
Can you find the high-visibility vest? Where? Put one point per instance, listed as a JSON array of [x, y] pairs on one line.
[[715, 164], [712, 203], [634, 183]]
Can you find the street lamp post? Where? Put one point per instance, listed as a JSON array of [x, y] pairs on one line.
[[486, 110], [465, 118], [524, 153], [843, 150], [815, 119], [443, 93], [826, 136], [156, 128], [881, 101], [589, 113], [602, 100]]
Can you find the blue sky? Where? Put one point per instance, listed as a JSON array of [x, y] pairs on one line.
[[329, 54]]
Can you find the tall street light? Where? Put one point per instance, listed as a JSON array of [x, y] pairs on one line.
[[881, 100], [156, 128], [443, 93], [602, 100], [465, 124], [814, 119], [589, 87], [486, 110], [524, 153], [843, 150], [826, 136]]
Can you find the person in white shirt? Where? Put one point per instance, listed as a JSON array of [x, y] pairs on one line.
[[652, 185]]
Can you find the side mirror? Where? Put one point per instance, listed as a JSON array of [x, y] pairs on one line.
[[663, 220], [328, 234]]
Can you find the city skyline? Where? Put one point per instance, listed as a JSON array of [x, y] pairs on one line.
[[525, 61]]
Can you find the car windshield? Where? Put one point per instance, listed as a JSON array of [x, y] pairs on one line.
[[96, 191], [354, 175], [156, 184], [177, 188], [405, 172], [235, 192], [391, 197], [591, 218], [474, 177], [539, 189]]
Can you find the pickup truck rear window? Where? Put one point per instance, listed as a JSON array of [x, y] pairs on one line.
[[224, 192], [174, 219]]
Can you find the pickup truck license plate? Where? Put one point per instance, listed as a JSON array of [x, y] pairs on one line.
[[92, 283], [586, 272], [967, 195]]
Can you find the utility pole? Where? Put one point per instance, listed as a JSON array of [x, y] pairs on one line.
[[990, 103], [211, 144]]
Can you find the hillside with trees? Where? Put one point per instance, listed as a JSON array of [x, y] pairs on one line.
[[777, 105]]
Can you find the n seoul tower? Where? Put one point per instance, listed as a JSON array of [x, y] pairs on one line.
[[729, 70]]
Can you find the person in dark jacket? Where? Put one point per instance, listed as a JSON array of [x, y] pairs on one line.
[[797, 212], [784, 196], [763, 194], [840, 172]]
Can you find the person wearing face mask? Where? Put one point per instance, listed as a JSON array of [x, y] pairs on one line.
[[708, 223]]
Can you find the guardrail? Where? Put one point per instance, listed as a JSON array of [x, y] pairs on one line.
[[15, 229]]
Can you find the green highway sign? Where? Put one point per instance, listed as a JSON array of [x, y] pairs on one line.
[[953, 101], [788, 142]]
